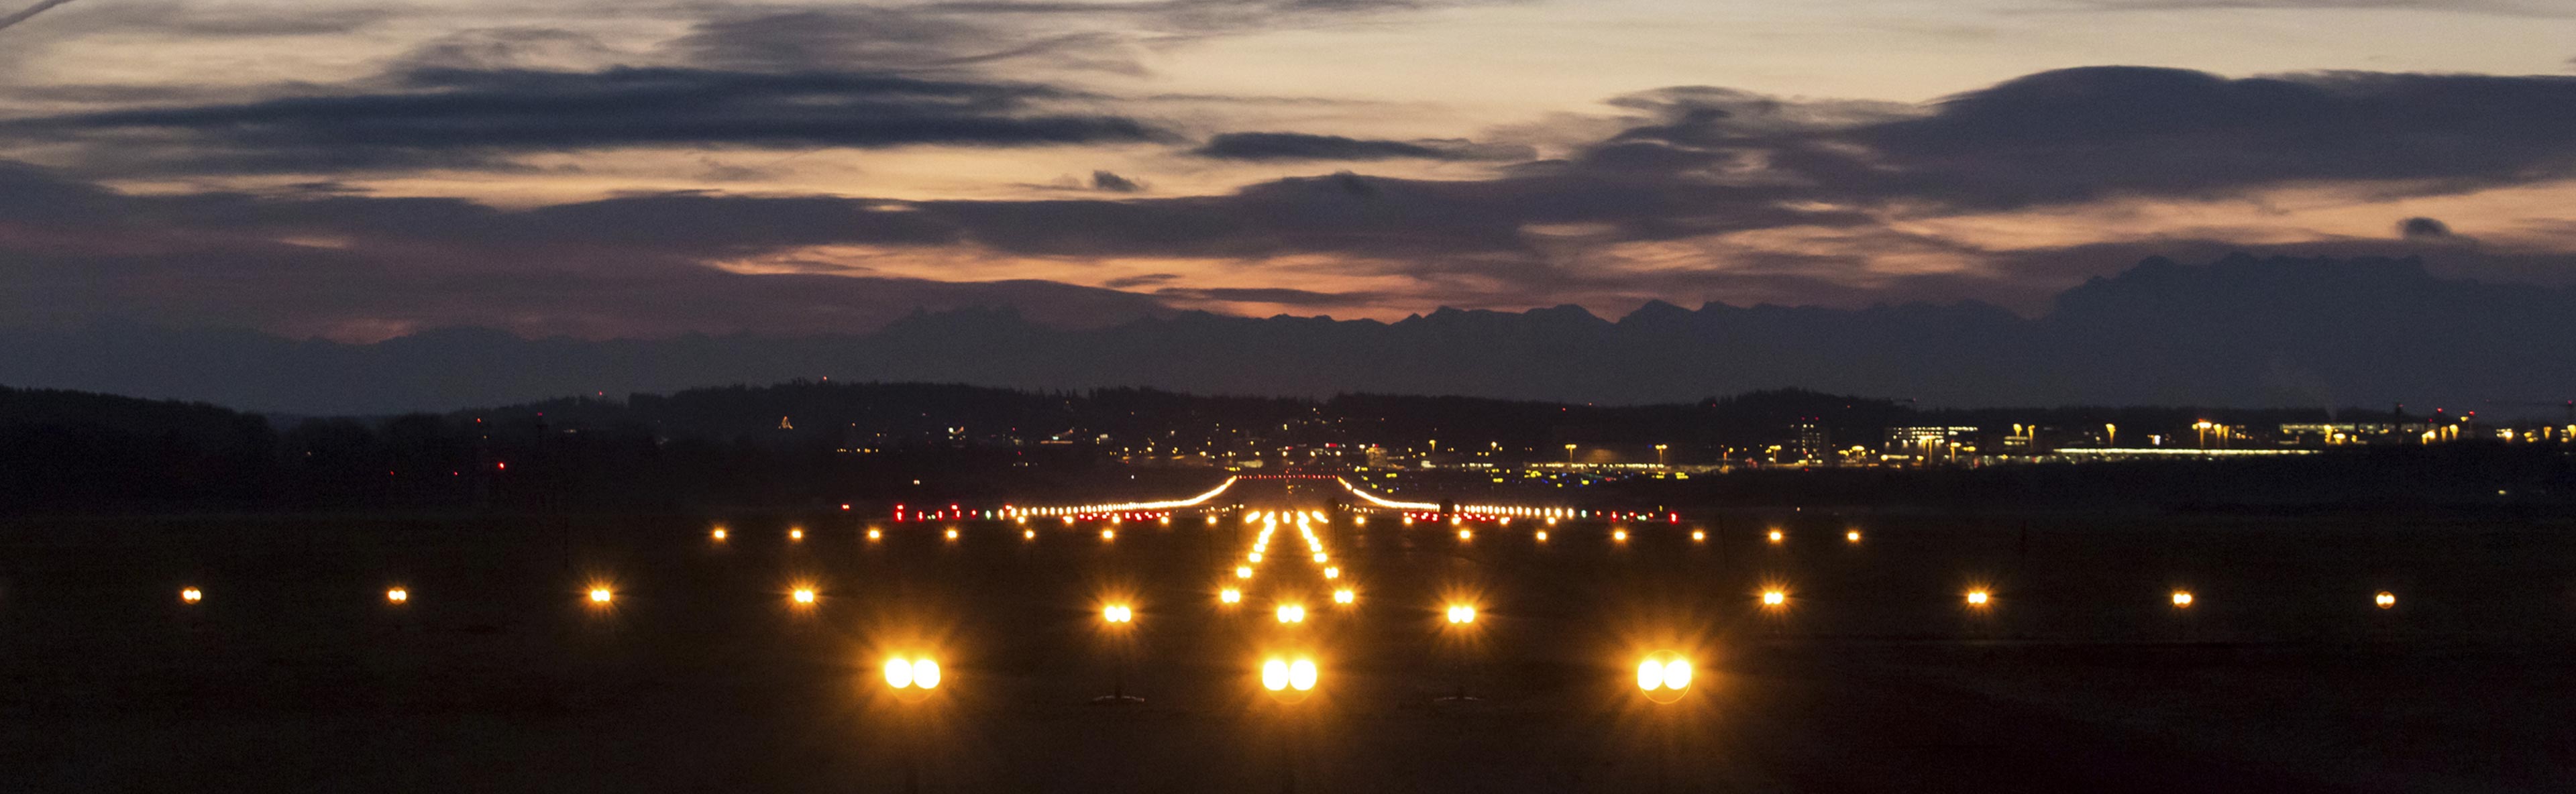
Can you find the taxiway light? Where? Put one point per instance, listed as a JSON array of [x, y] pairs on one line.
[[1292, 613], [2384, 599], [2182, 599], [397, 595]]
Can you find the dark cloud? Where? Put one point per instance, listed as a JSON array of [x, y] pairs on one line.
[[1275, 295], [2506, 7], [2423, 229], [1131, 282], [437, 117], [1276, 146], [1106, 181], [882, 39]]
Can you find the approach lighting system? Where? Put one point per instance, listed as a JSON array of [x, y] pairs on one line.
[[919, 673], [1663, 676]]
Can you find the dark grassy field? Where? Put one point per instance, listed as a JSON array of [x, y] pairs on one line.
[[295, 674]]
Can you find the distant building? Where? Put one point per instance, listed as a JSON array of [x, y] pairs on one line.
[[1808, 438], [1931, 443]]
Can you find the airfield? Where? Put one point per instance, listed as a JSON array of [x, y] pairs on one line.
[[749, 652]]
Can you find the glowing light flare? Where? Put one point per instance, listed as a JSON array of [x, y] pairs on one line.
[[718, 534], [1775, 598], [952, 533], [602, 595], [1699, 536], [2384, 599], [913, 673], [796, 534], [1466, 534], [1345, 596], [1118, 613], [1229, 596], [1301, 675], [1028, 534], [1851, 536], [1274, 675], [1978, 598], [802, 596], [1107, 535], [1292, 613], [1776, 537], [1664, 675], [1542, 536], [2182, 599], [1620, 535], [876, 534], [1462, 614], [1243, 572], [397, 595]]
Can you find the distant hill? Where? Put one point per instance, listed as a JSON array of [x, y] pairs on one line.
[[2240, 331]]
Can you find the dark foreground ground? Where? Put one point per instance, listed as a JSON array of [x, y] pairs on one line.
[[295, 675]]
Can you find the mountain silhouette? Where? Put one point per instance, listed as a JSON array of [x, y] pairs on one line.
[[2241, 331]]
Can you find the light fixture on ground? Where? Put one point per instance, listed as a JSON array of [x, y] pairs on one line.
[[1851, 536], [876, 534], [802, 596], [397, 595], [796, 534], [1775, 598], [191, 595], [1345, 596], [1664, 676], [1777, 536], [1289, 680], [912, 673], [1292, 613], [718, 534], [600, 595], [2182, 599], [2384, 599], [1978, 598], [1229, 596]]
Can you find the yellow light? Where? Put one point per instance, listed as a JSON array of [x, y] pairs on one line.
[[1301, 675], [1230, 596], [1108, 534], [191, 595], [1319, 558], [876, 534], [796, 534], [2384, 599], [898, 673], [1359, 521], [1243, 572], [1773, 598], [1852, 535], [1255, 556], [1118, 613], [1542, 536], [1977, 598], [1292, 613], [1551, 521], [1462, 613], [1777, 537], [902, 673], [1699, 536], [718, 534], [1457, 520], [1211, 520], [1165, 521], [1274, 675], [1408, 521], [952, 533], [2181, 599], [1028, 534], [1333, 572], [1650, 676], [1344, 596], [398, 595], [1619, 535], [925, 673], [601, 595], [1466, 534], [803, 596], [1020, 520], [1664, 675]]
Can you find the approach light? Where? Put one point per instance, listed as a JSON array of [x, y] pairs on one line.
[[601, 595], [1292, 613], [1851, 536], [796, 534], [916, 673], [1230, 596], [1663, 676], [398, 596], [718, 534], [1359, 521], [1619, 535], [1274, 675], [1243, 572], [1774, 598], [2384, 599], [1301, 675], [1333, 572], [1977, 598], [1542, 536], [952, 533], [1466, 534], [1254, 557], [1777, 537], [803, 596], [1462, 613], [1107, 535], [1699, 536], [1344, 596], [191, 595], [2182, 599], [1028, 534], [1319, 558], [1118, 613], [876, 534]]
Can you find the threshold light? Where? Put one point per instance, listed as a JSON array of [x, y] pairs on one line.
[[2182, 599], [191, 595], [2384, 599], [915, 673], [398, 595]]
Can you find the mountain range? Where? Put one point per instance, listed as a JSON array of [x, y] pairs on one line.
[[2241, 331]]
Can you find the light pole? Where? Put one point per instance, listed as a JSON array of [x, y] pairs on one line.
[[1659, 454], [1569, 456]]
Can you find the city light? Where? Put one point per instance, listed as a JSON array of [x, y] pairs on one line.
[[398, 595], [2384, 599]]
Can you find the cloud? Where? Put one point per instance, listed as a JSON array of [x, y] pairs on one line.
[[443, 117], [1113, 183], [1279, 146], [1272, 295], [13, 19], [2423, 229]]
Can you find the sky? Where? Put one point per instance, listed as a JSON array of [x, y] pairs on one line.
[[357, 170]]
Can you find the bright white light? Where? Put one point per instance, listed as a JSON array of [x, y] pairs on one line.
[[1344, 596], [803, 595], [1773, 598], [1292, 613], [1301, 675], [1118, 613], [925, 674], [191, 595], [898, 673], [1230, 596], [1333, 573], [1243, 572], [1677, 674], [1274, 675], [398, 595]]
